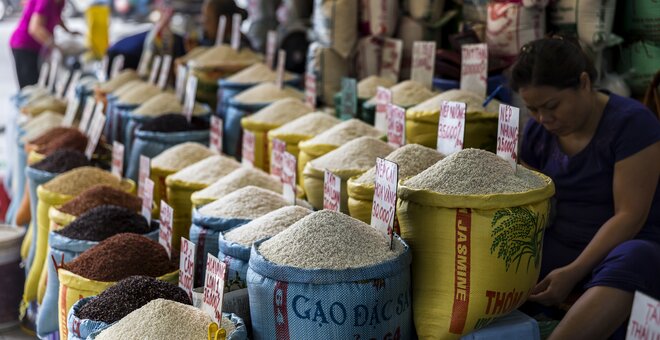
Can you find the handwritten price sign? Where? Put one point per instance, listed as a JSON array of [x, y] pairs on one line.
[[384, 207], [289, 174], [310, 89], [474, 68], [247, 151], [165, 232], [117, 158], [507, 134], [216, 134], [331, 191], [644, 319], [396, 125], [383, 99], [451, 128], [391, 59], [214, 287], [187, 266], [279, 148], [423, 62]]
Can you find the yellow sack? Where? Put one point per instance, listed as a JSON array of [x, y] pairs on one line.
[[360, 199], [58, 221], [309, 153], [35, 157], [98, 23], [480, 129], [261, 153], [477, 257], [158, 176], [313, 182], [178, 197], [27, 243], [74, 287], [207, 85]]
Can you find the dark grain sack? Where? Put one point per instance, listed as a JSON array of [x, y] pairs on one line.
[[105, 221], [174, 122], [62, 161], [98, 196], [70, 138]]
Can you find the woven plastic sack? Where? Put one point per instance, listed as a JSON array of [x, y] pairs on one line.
[[313, 183], [335, 24], [18, 184], [262, 147], [204, 232], [512, 25], [62, 249], [640, 19], [232, 134], [228, 90], [178, 197], [35, 178], [207, 86], [75, 287], [328, 67], [358, 303], [236, 257], [152, 143], [80, 329], [644, 62], [477, 257]]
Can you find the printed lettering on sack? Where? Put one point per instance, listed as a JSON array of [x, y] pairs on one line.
[[180, 86], [147, 199], [216, 134], [187, 266], [191, 93], [144, 173], [71, 112], [155, 68], [247, 151], [271, 47], [423, 62], [348, 98], [117, 65], [281, 59], [60, 86], [236, 21], [279, 148], [396, 125], [474, 68], [383, 210], [644, 319], [451, 127], [220, 33], [331, 191], [391, 59], [95, 130], [88, 111], [289, 166], [462, 260], [165, 72], [214, 286], [165, 231], [117, 159], [507, 134], [383, 99], [43, 75], [310, 89], [280, 309]]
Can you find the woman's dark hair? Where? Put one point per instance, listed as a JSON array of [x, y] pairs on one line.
[[557, 61]]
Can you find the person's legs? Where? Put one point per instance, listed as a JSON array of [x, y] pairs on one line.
[[27, 67]]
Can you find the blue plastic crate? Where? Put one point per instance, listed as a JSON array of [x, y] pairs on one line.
[[515, 325]]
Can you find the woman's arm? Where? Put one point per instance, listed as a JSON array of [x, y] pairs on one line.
[[634, 184], [37, 30]]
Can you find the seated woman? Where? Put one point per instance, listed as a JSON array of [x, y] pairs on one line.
[[603, 153]]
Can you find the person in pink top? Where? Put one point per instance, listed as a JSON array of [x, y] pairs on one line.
[[33, 37]]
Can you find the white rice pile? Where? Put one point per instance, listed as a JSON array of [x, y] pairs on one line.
[[246, 203], [367, 87], [267, 225], [344, 132], [280, 112], [206, 171], [359, 154], [239, 178], [408, 93], [257, 73], [180, 156], [310, 125], [474, 102], [412, 159], [267, 93]]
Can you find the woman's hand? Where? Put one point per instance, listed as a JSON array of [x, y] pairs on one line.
[[556, 286]]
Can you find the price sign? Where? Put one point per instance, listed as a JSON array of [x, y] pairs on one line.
[[144, 173], [147, 199], [396, 125], [451, 128], [102, 71], [383, 99], [423, 62], [507, 134], [216, 134], [165, 231], [271, 47], [279, 148], [331, 191], [385, 194], [187, 266], [214, 288], [117, 65], [88, 110], [310, 89], [60, 86], [289, 172], [191, 93], [71, 112], [145, 60], [180, 86], [52, 77], [391, 59], [247, 151], [117, 158], [236, 21], [43, 75], [155, 68], [644, 318], [474, 68], [165, 72], [73, 84], [222, 28], [95, 130], [281, 59], [348, 98]]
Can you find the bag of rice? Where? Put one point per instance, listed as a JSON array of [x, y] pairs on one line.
[[480, 122], [301, 129], [512, 25], [405, 94], [247, 103], [239, 178], [411, 158], [43, 104], [350, 159], [271, 117], [183, 183], [335, 24], [331, 139], [330, 276], [366, 89], [328, 67], [480, 223]]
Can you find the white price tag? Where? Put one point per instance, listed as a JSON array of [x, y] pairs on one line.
[[102, 71], [165, 231], [181, 75], [117, 158], [391, 59], [73, 84], [310, 89], [331, 191], [60, 86], [165, 72], [474, 68], [383, 99], [191, 93], [247, 150], [95, 130], [155, 68], [88, 110], [281, 59], [385, 194], [222, 28], [43, 75], [271, 47], [451, 128], [117, 65], [507, 134], [71, 112], [144, 173], [423, 62], [236, 21], [187, 266], [145, 60], [147, 199], [396, 125], [214, 288], [216, 134], [279, 148], [52, 77], [644, 318], [289, 173]]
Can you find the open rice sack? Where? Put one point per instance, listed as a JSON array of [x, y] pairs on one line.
[[476, 231], [237, 179], [480, 122], [44, 104], [329, 67], [102, 90], [406, 94], [366, 88], [268, 118], [301, 129]]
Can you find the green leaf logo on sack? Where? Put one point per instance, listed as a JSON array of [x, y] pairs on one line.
[[518, 232]]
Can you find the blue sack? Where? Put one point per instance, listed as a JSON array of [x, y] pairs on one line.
[[232, 132], [80, 329], [35, 178], [237, 257]]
